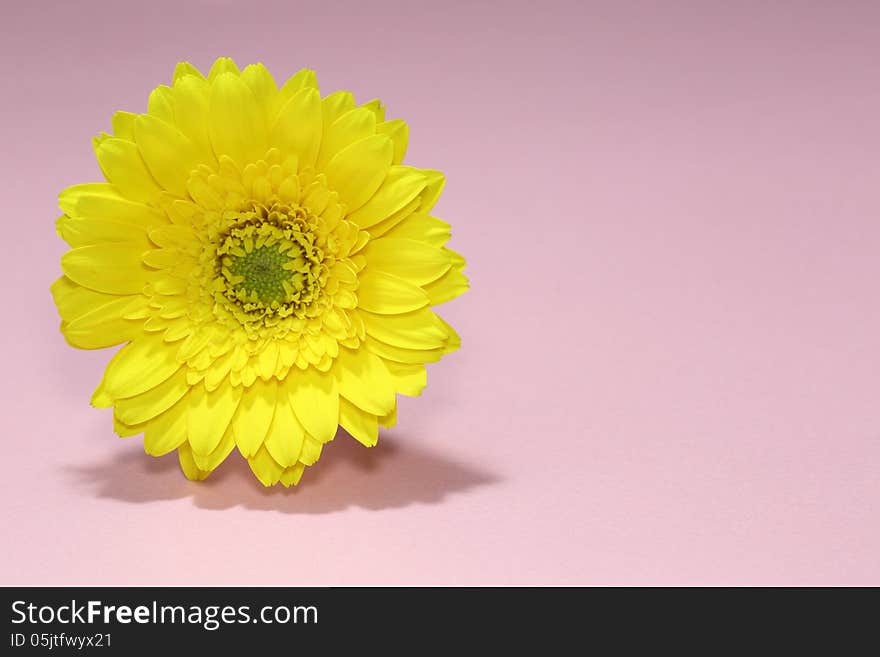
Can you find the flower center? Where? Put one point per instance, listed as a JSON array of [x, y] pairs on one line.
[[262, 272], [268, 264]]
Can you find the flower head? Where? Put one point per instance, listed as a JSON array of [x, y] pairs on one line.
[[269, 264]]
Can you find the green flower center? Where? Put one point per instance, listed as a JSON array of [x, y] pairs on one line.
[[262, 272], [268, 263]]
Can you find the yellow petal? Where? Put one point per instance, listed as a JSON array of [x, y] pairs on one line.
[[379, 229], [267, 360], [292, 475], [123, 166], [124, 430], [422, 227], [139, 366], [453, 284], [169, 285], [352, 126], [183, 69], [315, 401], [390, 352], [188, 464], [100, 139], [75, 300], [166, 258], [254, 416], [408, 378], [408, 259], [298, 127], [85, 232], [110, 268], [360, 425], [262, 84], [204, 194], [209, 415], [103, 326], [286, 435], [167, 431], [377, 108], [302, 79], [182, 212], [123, 125], [178, 329], [219, 370], [399, 133], [103, 201], [335, 105], [458, 261], [208, 462], [436, 183], [191, 108], [181, 238], [265, 467], [169, 154], [236, 124], [421, 329], [311, 451], [453, 341], [171, 307], [383, 293], [160, 103], [223, 65], [399, 188], [93, 320], [362, 378], [154, 402], [194, 344], [389, 419], [357, 171]]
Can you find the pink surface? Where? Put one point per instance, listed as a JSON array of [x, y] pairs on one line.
[[671, 359]]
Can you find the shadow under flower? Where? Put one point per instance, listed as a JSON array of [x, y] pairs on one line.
[[391, 475]]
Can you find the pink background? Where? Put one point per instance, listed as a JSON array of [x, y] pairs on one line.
[[671, 360]]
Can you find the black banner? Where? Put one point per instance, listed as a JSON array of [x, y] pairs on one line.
[[134, 621]]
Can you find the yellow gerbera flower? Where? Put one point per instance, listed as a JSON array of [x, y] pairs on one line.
[[269, 262]]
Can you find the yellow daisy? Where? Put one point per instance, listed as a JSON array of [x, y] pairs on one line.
[[269, 263]]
